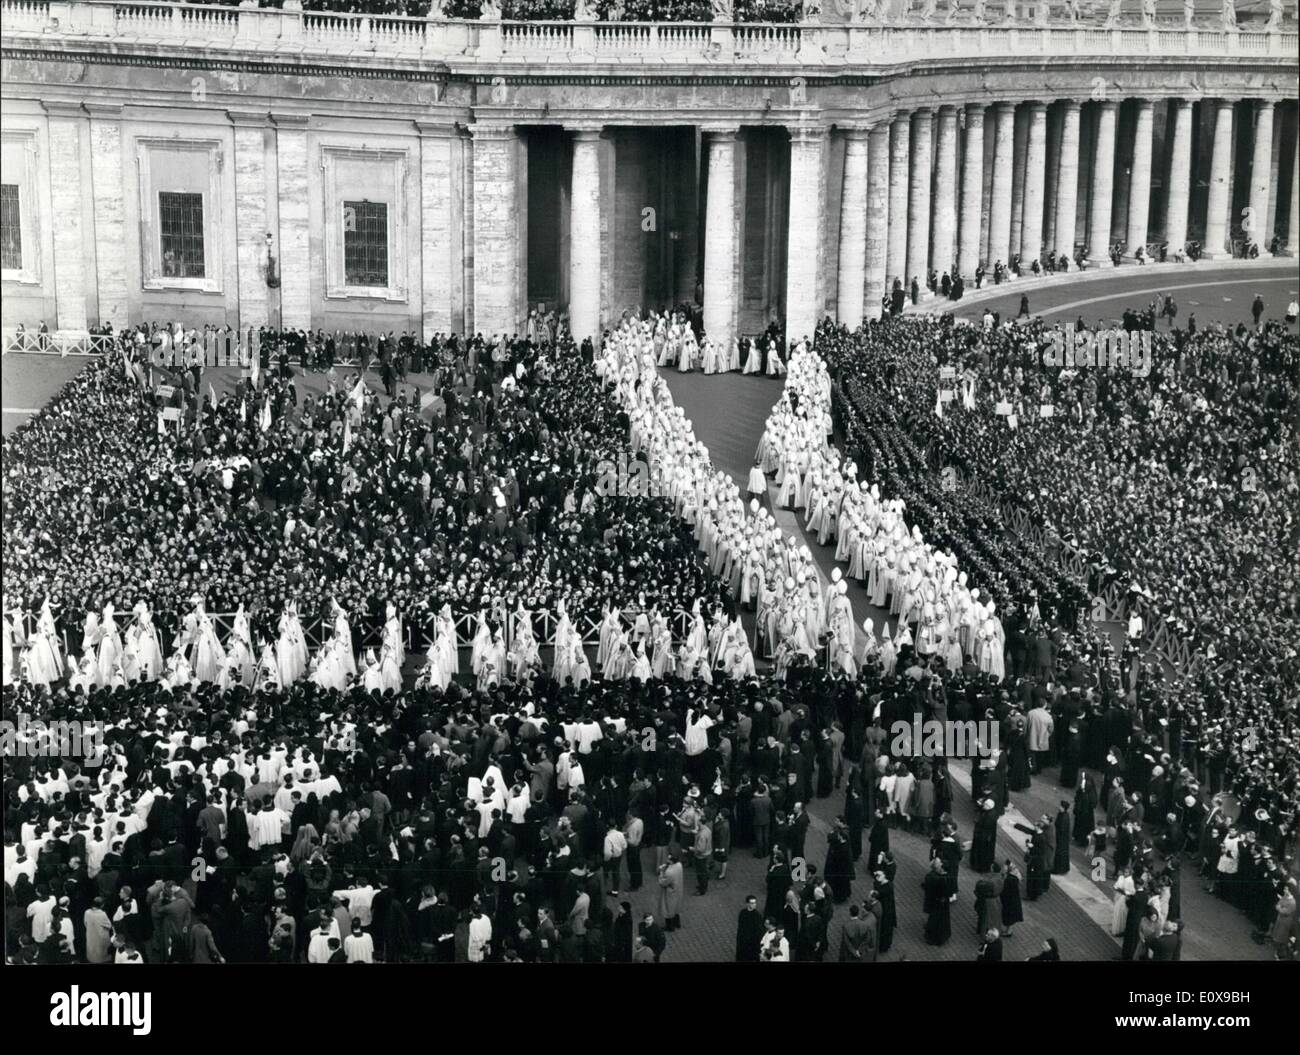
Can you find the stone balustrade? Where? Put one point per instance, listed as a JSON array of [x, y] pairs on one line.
[[293, 33]]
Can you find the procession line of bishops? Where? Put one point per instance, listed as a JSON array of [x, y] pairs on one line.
[[759, 563], [673, 343], [921, 584]]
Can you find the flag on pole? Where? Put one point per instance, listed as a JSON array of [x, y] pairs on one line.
[[256, 369], [347, 434], [243, 410], [938, 405], [266, 415], [212, 394]]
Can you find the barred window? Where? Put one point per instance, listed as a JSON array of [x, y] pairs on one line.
[[11, 228], [365, 243], [180, 221]]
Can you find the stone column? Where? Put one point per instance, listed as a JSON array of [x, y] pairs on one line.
[[878, 217], [972, 193], [295, 229], [109, 212], [1293, 221], [899, 159], [918, 202], [1067, 180], [251, 223], [496, 245], [1019, 150], [1178, 198], [1052, 177], [65, 121], [851, 288], [584, 235], [438, 242], [1003, 173], [720, 300], [1103, 180], [945, 193], [1219, 201], [1139, 187], [1031, 226], [803, 257], [1260, 173]]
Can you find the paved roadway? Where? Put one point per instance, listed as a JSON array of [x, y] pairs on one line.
[[1214, 293]]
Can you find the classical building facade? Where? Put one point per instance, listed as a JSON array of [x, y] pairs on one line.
[[257, 167]]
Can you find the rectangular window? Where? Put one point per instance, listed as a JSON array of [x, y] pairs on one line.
[[11, 228], [365, 243], [180, 221]]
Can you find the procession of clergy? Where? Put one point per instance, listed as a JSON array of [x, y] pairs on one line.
[[764, 569]]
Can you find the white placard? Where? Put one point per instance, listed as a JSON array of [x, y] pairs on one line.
[[1046, 410], [1002, 409]]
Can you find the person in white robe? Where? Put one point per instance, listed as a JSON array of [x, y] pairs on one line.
[[343, 631], [291, 653], [9, 673], [268, 669], [481, 645], [49, 631], [110, 645], [207, 652]]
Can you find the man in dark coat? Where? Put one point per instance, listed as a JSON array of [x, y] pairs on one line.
[[620, 935], [991, 950], [1061, 861], [983, 848], [749, 932]]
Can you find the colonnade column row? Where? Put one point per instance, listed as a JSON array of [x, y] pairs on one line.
[[1217, 204], [720, 236], [945, 193], [972, 193], [1103, 184], [1067, 181], [854, 205], [1256, 225], [878, 217], [918, 201], [803, 287], [584, 235], [1139, 188], [1031, 224], [1178, 199], [1003, 173]]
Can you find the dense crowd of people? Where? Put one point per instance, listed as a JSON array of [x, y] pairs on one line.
[[319, 809], [1122, 451], [482, 496]]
